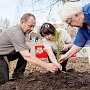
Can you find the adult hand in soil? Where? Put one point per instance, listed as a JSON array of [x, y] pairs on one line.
[[51, 67], [59, 66]]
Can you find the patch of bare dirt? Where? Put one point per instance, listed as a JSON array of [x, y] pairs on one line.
[[77, 77]]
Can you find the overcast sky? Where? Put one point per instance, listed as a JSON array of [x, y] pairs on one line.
[[11, 9], [7, 9]]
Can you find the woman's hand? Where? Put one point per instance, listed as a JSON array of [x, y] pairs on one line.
[[62, 58]]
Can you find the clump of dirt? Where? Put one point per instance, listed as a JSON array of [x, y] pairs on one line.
[[71, 80]]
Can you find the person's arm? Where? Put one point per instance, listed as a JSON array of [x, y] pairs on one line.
[[32, 59], [48, 45], [74, 49], [52, 57], [78, 43], [66, 47]]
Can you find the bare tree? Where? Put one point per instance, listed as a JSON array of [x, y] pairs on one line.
[[4, 23], [42, 8]]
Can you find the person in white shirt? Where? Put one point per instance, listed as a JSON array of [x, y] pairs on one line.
[[48, 32]]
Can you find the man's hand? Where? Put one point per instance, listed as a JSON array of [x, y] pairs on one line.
[[59, 66], [51, 67]]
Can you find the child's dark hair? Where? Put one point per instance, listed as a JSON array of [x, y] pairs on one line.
[[47, 29]]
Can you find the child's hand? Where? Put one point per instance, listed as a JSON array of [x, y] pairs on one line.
[[64, 48]]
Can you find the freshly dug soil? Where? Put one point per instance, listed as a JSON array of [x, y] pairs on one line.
[[77, 77]]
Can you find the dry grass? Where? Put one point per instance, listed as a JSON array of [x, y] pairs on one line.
[[80, 65]]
